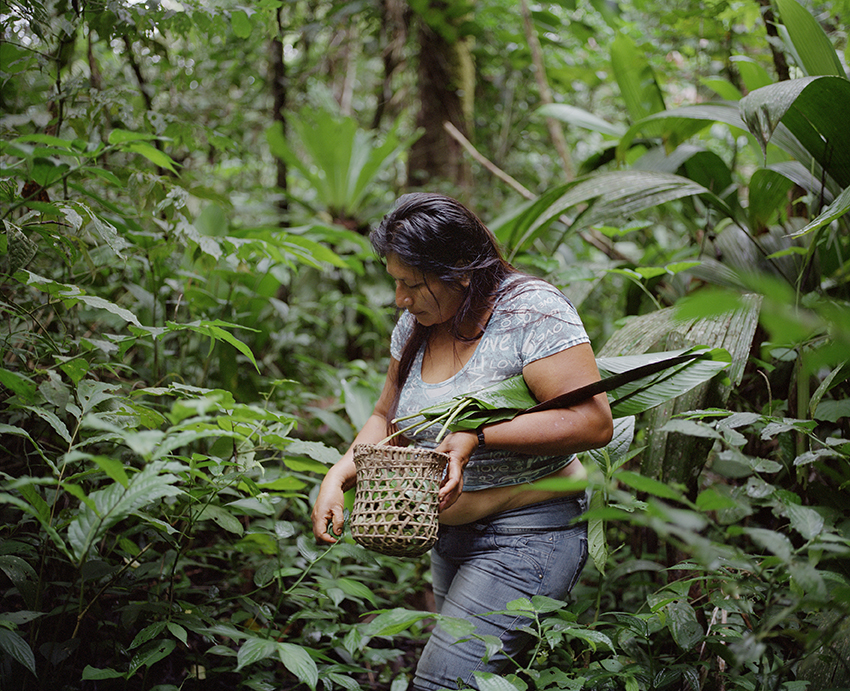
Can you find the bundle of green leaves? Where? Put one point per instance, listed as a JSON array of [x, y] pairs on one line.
[[634, 383]]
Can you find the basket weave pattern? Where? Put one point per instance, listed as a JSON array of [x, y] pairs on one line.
[[395, 502]]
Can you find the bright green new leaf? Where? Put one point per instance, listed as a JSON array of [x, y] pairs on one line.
[[241, 23], [154, 155]]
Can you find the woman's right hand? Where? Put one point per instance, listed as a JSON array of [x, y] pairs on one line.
[[328, 512]]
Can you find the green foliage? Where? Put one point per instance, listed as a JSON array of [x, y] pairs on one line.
[[182, 358]]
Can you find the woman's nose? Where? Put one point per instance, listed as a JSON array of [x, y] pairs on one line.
[[402, 297]]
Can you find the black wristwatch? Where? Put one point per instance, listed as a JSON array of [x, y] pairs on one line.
[[480, 433]]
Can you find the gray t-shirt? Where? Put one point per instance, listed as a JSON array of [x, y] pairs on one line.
[[531, 321]]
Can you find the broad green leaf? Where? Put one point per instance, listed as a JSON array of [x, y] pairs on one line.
[[216, 331], [255, 649], [612, 456], [27, 508], [74, 294], [298, 661], [683, 625], [768, 192], [22, 576], [359, 402], [94, 674], [150, 654], [17, 649], [487, 681], [178, 632], [92, 393], [674, 127], [53, 420], [355, 589], [810, 45], [242, 26], [579, 117], [148, 633], [809, 580], [777, 543], [115, 503], [313, 449], [753, 74], [114, 468], [31, 494], [119, 136], [590, 636], [649, 485], [21, 249], [221, 517], [154, 155], [47, 171], [722, 87], [600, 199], [806, 108], [838, 208], [19, 384], [394, 621], [805, 520], [644, 394], [636, 79]]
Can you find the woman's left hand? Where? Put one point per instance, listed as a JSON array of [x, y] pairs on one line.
[[459, 447]]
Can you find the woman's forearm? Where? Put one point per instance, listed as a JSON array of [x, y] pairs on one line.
[[554, 432]]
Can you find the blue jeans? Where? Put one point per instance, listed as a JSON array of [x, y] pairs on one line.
[[480, 567]]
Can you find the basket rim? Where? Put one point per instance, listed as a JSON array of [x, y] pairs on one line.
[[390, 450]]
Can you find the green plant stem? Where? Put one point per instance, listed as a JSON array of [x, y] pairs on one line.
[[100, 592], [454, 414]]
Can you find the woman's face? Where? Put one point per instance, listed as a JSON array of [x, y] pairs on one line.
[[430, 300]]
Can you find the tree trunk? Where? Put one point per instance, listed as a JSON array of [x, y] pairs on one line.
[[277, 72], [446, 92], [395, 18]]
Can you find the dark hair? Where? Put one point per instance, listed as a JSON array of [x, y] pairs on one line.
[[438, 235]]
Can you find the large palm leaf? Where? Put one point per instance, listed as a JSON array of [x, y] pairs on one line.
[[634, 384]]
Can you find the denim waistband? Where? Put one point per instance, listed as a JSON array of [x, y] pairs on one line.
[[553, 514]]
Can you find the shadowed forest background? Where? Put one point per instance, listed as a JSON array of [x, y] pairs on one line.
[[193, 327]]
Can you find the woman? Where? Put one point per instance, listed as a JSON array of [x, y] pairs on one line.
[[470, 321]]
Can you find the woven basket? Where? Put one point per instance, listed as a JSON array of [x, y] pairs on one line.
[[395, 503]]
